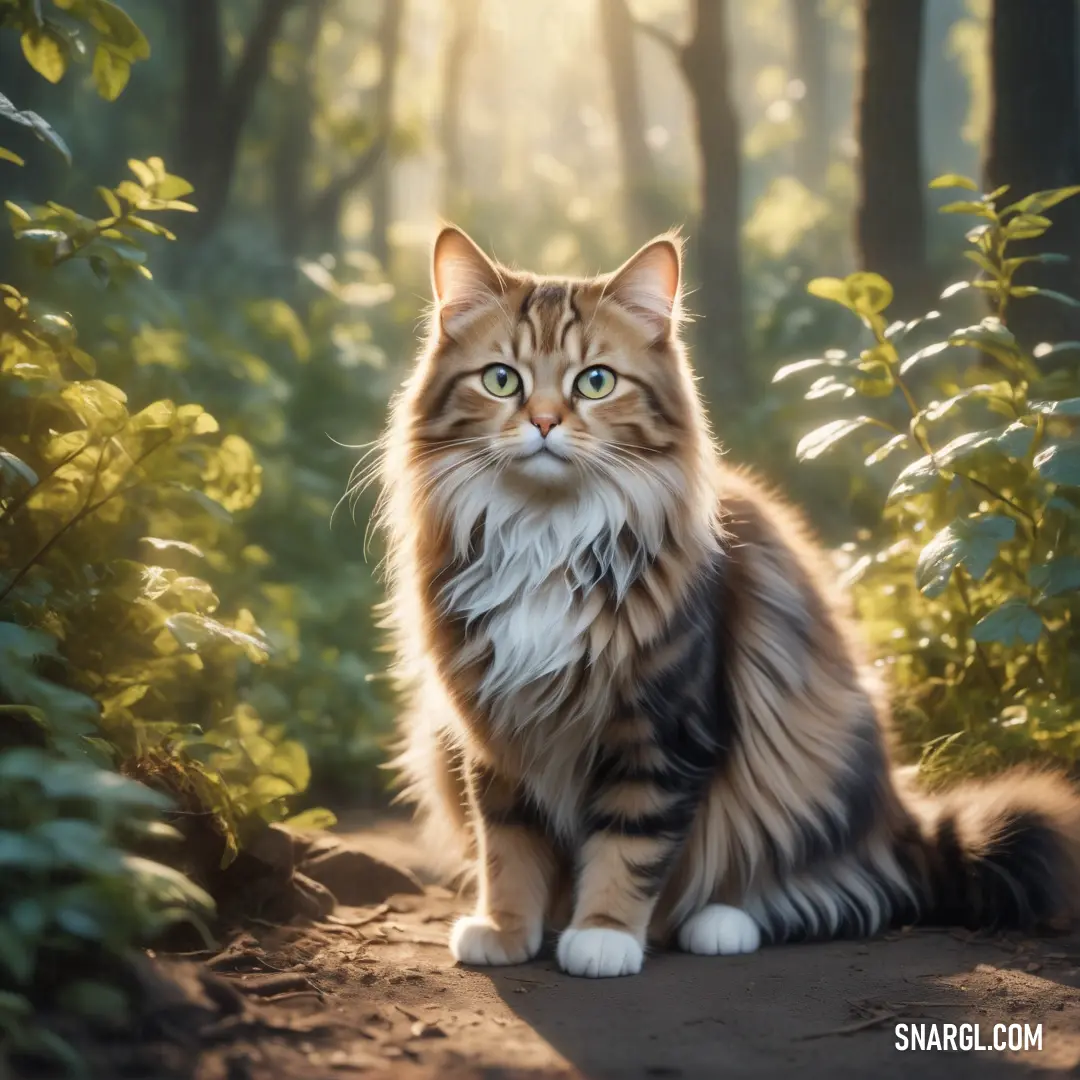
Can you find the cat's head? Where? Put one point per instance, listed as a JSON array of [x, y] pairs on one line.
[[542, 389]]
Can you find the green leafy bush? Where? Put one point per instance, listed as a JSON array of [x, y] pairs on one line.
[[287, 361], [110, 244], [76, 902], [970, 587], [118, 507], [296, 379], [102, 511]]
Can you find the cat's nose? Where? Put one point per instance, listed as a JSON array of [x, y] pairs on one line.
[[544, 423]]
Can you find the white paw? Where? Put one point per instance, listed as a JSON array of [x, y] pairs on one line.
[[476, 940], [597, 953], [719, 930]]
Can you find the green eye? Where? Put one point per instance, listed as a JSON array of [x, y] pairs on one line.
[[595, 382], [500, 380]]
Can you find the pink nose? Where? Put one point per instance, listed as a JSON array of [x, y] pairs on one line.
[[544, 423]]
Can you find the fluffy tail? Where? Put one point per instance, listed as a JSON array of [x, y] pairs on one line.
[[428, 768], [999, 854]]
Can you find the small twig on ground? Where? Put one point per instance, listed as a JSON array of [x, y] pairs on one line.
[[278, 983], [378, 913], [931, 1005], [410, 938], [233, 1027], [878, 1014], [230, 961], [851, 1029], [292, 995], [339, 928]]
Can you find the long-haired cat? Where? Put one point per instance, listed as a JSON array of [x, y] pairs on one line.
[[633, 701]]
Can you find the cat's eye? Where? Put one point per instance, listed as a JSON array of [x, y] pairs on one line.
[[595, 383], [500, 380]]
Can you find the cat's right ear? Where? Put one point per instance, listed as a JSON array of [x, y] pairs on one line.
[[465, 281]]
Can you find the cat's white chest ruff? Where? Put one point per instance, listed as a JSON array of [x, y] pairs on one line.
[[531, 632], [529, 592], [536, 635]]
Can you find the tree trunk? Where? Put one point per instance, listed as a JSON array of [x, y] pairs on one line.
[[294, 143], [811, 67], [202, 81], [706, 63], [214, 111], [323, 218], [644, 215], [1034, 144], [464, 16], [891, 219], [385, 94]]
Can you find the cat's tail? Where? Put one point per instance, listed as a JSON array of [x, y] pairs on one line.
[[996, 854], [428, 768]]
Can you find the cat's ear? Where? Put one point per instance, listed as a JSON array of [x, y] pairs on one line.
[[648, 284], [463, 278]]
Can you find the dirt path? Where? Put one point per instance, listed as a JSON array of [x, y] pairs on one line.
[[376, 993]]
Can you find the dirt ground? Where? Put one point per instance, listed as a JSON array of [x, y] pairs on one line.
[[373, 991]]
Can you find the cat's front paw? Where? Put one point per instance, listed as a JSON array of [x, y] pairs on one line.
[[599, 953], [477, 941], [719, 930]]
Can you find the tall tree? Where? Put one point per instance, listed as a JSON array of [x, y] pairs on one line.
[[811, 67], [214, 105], [309, 218], [1034, 142], [393, 16], [891, 216], [644, 214], [295, 133], [705, 61], [464, 17]]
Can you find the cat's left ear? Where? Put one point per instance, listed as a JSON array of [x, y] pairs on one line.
[[648, 284], [464, 279]]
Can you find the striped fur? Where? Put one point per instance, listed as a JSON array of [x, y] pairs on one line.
[[634, 703]]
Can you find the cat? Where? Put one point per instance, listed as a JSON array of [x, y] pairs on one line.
[[633, 701]]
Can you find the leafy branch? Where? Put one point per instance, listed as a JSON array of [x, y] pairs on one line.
[[89, 507], [1014, 557], [111, 244]]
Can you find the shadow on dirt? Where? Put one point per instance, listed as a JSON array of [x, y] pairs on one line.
[[828, 1010]]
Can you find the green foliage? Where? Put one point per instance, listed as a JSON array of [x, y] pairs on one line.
[[75, 899], [111, 244], [39, 126], [89, 486], [970, 587], [53, 36], [117, 654], [293, 381]]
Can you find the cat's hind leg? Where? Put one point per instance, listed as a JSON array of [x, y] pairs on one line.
[[719, 930], [844, 898]]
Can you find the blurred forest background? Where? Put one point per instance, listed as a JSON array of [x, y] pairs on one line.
[[221, 214]]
